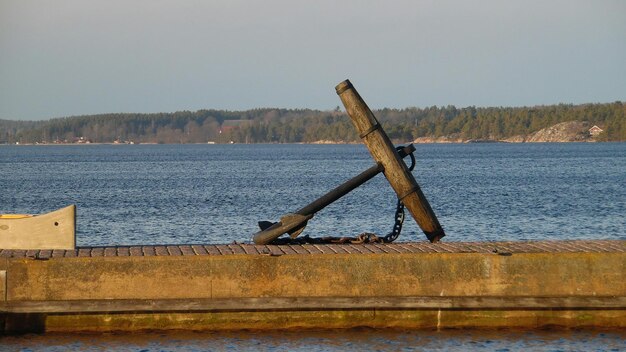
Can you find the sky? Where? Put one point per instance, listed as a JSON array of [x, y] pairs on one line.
[[79, 57]]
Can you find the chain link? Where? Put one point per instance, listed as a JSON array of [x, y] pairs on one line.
[[399, 217], [397, 226]]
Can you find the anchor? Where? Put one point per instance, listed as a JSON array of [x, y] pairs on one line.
[[388, 161]]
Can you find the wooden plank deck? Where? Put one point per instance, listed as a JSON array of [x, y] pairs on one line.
[[502, 248]]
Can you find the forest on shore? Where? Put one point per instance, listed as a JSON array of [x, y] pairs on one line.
[[269, 125]]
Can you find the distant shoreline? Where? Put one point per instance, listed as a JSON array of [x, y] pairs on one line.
[[564, 132], [555, 123]]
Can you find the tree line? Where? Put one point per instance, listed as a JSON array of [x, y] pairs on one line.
[[269, 125]]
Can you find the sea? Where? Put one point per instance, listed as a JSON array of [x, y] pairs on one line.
[[211, 193]]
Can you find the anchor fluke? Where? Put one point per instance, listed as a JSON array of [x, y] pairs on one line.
[[264, 225], [293, 224]]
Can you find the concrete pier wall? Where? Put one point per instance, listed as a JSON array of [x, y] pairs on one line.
[[411, 285]]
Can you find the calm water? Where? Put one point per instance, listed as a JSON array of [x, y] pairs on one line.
[[335, 340], [171, 194], [148, 194]]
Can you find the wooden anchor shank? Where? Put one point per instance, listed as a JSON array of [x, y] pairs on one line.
[[383, 152]]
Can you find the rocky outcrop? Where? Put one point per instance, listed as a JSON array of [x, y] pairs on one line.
[[328, 141], [571, 131], [515, 139], [446, 139]]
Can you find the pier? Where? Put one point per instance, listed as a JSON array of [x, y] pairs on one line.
[[570, 284], [269, 285]]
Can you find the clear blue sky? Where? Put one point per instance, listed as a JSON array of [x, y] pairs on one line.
[[74, 57]]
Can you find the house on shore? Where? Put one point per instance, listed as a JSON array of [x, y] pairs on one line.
[[595, 131]]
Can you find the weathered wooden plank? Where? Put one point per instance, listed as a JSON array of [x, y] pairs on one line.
[[3, 286], [317, 303]]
